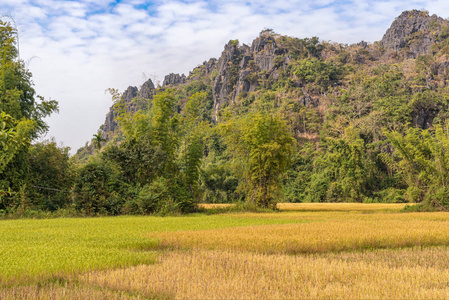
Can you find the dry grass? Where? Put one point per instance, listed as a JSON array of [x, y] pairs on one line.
[[56, 291], [214, 205], [201, 274], [341, 206], [412, 273], [322, 206], [378, 207], [319, 232]]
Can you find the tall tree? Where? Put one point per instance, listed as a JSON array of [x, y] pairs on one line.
[[13, 136], [423, 161], [17, 95], [27, 111], [262, 145], [98, 139]]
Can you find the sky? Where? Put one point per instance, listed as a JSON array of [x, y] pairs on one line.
[[76, 50]]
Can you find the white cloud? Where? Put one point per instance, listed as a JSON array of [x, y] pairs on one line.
[[87, 46], [438, 6]]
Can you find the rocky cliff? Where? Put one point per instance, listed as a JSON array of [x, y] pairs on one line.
[[242, 69], [147, 90], [414, 32], [174, 79], [129, 96]]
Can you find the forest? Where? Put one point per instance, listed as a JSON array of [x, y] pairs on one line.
[[283, 120]]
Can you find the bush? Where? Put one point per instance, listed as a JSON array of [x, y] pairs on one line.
[[391, 195], [321, 73], [161, 197], [51, 172], [97, 189], [317, 190], [153, 197]]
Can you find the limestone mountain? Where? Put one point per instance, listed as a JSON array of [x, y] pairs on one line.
[[303, 77], [358, 114]]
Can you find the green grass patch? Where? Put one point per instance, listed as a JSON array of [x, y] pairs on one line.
[[38, 249]]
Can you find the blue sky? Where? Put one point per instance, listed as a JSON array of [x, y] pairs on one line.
[[78, 49]]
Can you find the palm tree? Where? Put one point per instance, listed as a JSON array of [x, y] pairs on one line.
[[98, 138]]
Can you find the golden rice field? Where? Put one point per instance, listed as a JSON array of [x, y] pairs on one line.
[[305, 251]]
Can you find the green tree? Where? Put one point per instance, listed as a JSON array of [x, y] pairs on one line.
[[98, 139], [165, 124], [343, 172], [148, 158], [194, 132], [14, 135], [262, 145], [322, 73], [28, 112], [17, 95], [97, 188], [52, 175], [423, 162], [218, 183]]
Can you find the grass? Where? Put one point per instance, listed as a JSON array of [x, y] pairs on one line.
[[374, 207], [42, 248], [349, 251], [200, 274], [367, 207], [322, 231]]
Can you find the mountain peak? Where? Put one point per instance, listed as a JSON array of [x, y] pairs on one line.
[[413, 32]]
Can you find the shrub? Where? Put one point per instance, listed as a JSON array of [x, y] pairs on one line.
[[97, 189]]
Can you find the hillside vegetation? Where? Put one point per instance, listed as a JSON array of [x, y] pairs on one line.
[[281, 120]]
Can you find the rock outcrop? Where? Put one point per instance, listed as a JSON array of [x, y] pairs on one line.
[[110, 124], [145, 92], [228, 69], [174, 79], [241, 67], [209, 66], [413, 32], [202, 70], [265, 50]]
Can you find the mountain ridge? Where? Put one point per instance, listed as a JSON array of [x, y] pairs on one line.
[[242, 69]]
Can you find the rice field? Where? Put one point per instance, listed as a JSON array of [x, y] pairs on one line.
[[338, 251]]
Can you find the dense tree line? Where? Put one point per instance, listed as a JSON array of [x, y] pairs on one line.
[[23, 164], [336, 123]]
